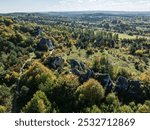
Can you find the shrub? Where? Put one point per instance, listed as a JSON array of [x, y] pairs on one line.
[[5, 98], [139, 52], [133, 106], [2, 109], [36, 75], [63, 93], [90, 93], [90, 52], [125, 109], [143, 108], [103, 65], [111, 103], [145, 77], [124, 72], [92, 109], [38, 104]]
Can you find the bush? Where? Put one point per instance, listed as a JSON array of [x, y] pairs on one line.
[[3, 109], [90, 52], [139, 52], [133, 106], [92, 109], [8, 21], [5, 98], [33, 79], [103, 65], [63, 93], [38, 104], [145, 77], [36, 75], [111, 103], [143, 108], [90, 93], [125, 109], [124, 72]]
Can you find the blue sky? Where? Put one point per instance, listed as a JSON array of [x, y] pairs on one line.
[[73, 5]]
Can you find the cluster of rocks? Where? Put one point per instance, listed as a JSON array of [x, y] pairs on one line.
[[75, 64], [80, 69], [130, 90], [121, 84], [45, 44], [105, 81], [56, 63]]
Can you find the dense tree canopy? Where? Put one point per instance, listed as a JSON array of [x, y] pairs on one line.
[[74, 63]]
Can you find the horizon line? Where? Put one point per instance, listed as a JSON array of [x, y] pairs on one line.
[[66, 11]]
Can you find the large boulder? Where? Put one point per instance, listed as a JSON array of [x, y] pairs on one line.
[[55, 62], [135, 91], [37, 31], [134, 84], [75, 64], [105, 81], [86, 76], [76, 72], [45, 44], [122, 84], [79, 69]]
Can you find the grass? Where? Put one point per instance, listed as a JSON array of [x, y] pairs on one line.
[[126, 36]]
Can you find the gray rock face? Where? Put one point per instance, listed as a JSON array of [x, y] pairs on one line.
[[105, 81], [76, 71], [37, 31], [122, 84], [55, 62], [79, 69], [134, 84], [86, 76], [76, 64], [134, 92], [45, 44]]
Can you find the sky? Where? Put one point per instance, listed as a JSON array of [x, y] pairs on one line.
[[7, 6]]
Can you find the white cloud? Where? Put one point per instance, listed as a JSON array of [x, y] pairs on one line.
[[74, 5], [115, 5]]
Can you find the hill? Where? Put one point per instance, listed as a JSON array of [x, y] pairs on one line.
[[75, 62]]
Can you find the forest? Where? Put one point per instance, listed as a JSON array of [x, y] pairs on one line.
[[75, 62]]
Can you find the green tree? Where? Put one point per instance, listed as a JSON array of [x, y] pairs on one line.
[[63, 92], [133, 106], [147, 103], [5, 98], [38, 104], [106, 26], [122, 71], [111, 103], [143, 108], [92, 109], [125, 109], [31, 81], [3, 109], [8, 21], [103, 65], [90, 93]]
